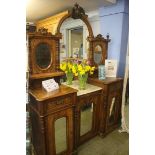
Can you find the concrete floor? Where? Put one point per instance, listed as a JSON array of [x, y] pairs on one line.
[[114, 143]]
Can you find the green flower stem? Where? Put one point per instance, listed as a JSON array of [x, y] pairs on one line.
[[82, 81], [69, 77]]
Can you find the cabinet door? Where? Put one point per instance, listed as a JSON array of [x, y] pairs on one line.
[[60, 132], [113, 110], [88, 108]]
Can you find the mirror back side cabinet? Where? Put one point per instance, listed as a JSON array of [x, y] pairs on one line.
[[43, 54]]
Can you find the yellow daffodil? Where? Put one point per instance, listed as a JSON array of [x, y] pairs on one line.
[[77, 69], [87, 68], [61, 66], [92, 68], [76, 74], [80, 67], [69, 66], [74, 69], [82, 72]]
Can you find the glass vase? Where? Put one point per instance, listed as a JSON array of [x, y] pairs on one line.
[[83, 81], [69, 77]]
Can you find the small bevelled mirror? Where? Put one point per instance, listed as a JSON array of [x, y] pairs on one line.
[[86, 118], [43, 55], [97, 54], [112, 111], [60, 135]]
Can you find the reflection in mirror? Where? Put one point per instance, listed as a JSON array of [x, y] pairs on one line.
[[76, 44], [60, 135], [74, 39], [86, 118], [112, 111], [43, 55], [97, 54]]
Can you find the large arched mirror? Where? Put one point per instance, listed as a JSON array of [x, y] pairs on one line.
[[43, 55], [77, 34], [74, 41]]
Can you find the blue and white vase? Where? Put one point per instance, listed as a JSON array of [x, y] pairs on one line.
[[101, 72]]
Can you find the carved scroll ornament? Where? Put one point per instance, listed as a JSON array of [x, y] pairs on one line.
[[77, 12]]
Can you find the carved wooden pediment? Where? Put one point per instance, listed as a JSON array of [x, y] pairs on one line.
[[42, 30], [77, 12], [99, 37]]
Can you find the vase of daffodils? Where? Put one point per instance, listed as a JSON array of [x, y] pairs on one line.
[[82, 70], [67, 68], [82, 81]]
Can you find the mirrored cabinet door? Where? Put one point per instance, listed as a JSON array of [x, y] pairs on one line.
[[86, 115], [60, 135], [114, 107], [60, 132], [112, 111], [87, 123]]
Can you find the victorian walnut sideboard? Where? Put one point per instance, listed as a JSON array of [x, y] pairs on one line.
[[63, 119], [66, 118]]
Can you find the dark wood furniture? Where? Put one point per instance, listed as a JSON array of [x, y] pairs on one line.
[[30, 28], [100, 48], [43, 53], [78, 13], [112, 99], [45, 110], [63, 108], [43, 57], [87, 112], [88, 104]]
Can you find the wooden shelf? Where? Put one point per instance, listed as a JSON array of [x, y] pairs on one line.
[[46, 75]]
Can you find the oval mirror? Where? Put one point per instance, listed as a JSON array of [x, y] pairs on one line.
[[43, 55], [97, 54]]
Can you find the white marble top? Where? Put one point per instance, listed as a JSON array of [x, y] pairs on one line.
[[89, 88]]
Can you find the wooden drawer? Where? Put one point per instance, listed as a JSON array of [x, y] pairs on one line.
[[58, 103]]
